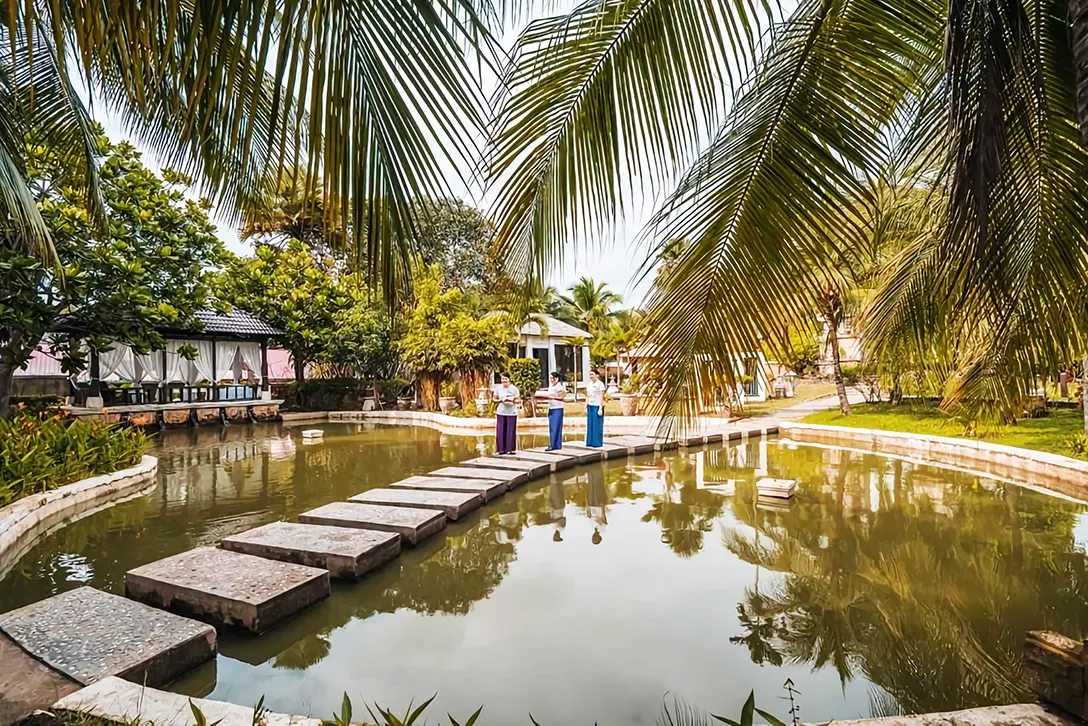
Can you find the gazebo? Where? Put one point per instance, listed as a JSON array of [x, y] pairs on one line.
[[227, 376]]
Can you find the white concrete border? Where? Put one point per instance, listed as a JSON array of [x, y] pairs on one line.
[[25, 520], [645, 425], [1057, 473]]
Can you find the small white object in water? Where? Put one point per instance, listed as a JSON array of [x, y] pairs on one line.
[[313, 433], [779, 488]]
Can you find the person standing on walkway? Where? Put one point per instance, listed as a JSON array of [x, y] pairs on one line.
[[557, 394], [507, 396], [595, 395]]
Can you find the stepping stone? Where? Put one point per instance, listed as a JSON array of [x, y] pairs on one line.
[[582, 455], [606, 450], [640, 442], [714, 438], [488, 488], [693, 440], [511, 477], [228, 588], [87, 634], [114, 701], [555, 460], [454, 504], [634, 448], [345, 553], [533, 468], [414, 525]]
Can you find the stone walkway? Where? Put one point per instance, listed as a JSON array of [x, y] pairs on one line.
[[260, 577]]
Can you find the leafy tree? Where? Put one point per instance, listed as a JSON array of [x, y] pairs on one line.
[[590, 304], [458, 238], [360, 341], [291, 290], [438, 337], [148, 267]]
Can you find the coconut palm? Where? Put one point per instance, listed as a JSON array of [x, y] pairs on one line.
[[975, 101], [589, 303], [372, 99]]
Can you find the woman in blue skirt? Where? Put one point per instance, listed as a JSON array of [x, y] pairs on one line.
[[557, 393], [595, 394]]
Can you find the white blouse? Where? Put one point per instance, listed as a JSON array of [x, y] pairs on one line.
[[595, 393], [558, 392]]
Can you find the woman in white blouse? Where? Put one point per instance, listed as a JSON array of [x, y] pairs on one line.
[[596, 392], [507, 396], [557, 393]]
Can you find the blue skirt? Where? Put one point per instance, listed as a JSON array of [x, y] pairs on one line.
[[594, 427], [555, 428]]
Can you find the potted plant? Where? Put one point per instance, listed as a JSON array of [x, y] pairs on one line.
[[629, 397], [447, 401]]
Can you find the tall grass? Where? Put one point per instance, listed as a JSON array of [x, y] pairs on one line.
[[37, 455]]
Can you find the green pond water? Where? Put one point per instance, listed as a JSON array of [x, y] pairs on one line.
[[606, 591]]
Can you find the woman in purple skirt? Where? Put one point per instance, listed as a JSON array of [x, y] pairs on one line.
[[507, 396]]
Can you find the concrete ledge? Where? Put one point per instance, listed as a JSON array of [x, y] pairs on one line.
[[1057, 473], [117, 701], [1022, 714], [24, 521], [294, 416]]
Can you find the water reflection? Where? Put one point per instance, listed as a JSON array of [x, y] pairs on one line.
[[880, 587]]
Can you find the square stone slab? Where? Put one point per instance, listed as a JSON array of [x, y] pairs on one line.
[[488, 488], [606, 450], [555, 460], [414, 525], [580, 453], [454, 504], [533, 468], [511, 477], [714, 438], [228, 588], [635, 447], [88, 634], [345, 553]]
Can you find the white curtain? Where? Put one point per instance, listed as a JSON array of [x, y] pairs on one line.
[[177, 368], [117, 364], [203, 361], [149, 366], [251, 357], [226, 351]]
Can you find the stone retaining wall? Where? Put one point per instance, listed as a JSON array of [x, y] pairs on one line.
[[1057, 473], [22, 522]]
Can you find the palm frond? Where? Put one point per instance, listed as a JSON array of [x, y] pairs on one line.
[[771, 207], [615, 95]]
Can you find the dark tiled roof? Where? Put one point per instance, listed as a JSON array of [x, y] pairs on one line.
[[236, 322]]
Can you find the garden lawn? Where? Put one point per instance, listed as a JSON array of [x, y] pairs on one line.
[[1050, 433]]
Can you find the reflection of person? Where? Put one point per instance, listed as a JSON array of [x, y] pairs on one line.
[[595, 394], [557, 393], [597, 500], [507, 396]]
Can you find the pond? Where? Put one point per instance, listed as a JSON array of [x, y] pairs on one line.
[[606, 591]]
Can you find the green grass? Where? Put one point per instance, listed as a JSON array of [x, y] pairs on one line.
[[1052, 433]]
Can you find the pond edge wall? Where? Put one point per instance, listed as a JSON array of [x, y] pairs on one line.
[[1057, 473], [24, 521]]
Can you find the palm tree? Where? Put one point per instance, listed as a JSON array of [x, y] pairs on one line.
[[374, 100], [589, 303], [976, 102]]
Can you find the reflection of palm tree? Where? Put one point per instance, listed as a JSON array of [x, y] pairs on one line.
[[307, 652], [928, 593], [686, 518]]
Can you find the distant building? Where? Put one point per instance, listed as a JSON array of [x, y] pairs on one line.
[[548, 340], [751, 370]]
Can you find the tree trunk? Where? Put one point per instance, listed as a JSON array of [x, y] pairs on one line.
[[429, 384], [836, 359], [300, 368], [1084, 390], [7, 374]]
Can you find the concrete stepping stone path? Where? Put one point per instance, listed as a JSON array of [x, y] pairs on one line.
[[607, 450], [228, 588], [532, 468], [345, 553], [581, 455], [512, 477], [488, 488], [87, 634], [454, 504], [555, 460], [414, 525]]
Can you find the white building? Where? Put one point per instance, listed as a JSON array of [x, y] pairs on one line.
[[550, 342], [751, 370]]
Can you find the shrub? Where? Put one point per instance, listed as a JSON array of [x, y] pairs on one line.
[[37, 455], [525, 374], [1076, 445], [37, 406]]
